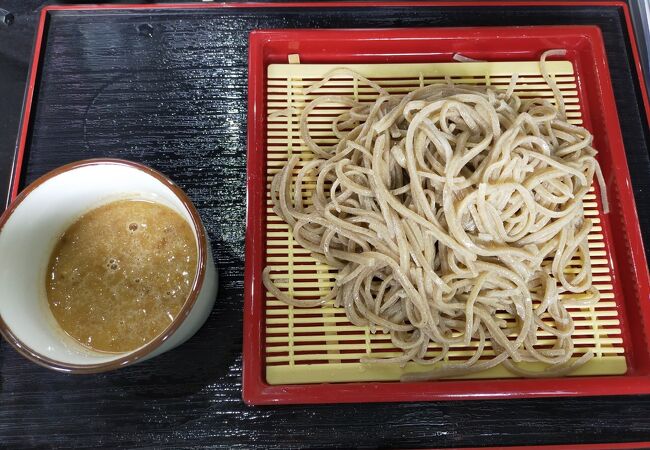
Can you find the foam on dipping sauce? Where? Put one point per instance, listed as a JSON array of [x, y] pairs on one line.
[[121, 273]]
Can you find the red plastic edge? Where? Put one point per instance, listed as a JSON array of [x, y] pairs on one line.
[[337, 4], [252, 381], [636, 285], [637, 59], [14, 182]]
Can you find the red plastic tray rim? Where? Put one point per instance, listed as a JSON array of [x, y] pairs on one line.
[[335, 46]]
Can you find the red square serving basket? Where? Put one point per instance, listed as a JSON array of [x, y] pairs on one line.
[[278, 365]]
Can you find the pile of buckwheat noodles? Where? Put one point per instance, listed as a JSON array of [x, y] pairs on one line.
[[443, 207]]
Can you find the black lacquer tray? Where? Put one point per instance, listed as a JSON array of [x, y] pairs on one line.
[[167, 86]]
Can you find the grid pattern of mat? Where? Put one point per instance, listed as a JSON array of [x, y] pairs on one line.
[[312, 345]]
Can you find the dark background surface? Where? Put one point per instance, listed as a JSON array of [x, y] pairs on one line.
[[168, 88]]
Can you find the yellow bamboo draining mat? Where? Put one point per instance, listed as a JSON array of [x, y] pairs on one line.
[[313, 345]]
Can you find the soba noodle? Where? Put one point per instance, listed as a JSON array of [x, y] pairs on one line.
[[453, 215]]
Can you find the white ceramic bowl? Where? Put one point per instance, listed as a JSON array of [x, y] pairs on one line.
[[29, 230]]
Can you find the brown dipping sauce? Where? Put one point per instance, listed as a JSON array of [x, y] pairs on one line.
[[121, 273]]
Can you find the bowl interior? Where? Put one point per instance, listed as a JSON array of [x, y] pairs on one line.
[[32, 227]]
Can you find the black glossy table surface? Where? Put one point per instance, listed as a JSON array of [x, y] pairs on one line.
[[191, 396]]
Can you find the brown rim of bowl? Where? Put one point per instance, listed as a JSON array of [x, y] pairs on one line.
[[150, 346]]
